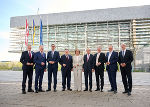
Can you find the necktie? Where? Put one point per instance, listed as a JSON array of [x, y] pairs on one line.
[[42, 54], [52, 54], [67, 57], [30, 54], [123, 53], [87, 58]]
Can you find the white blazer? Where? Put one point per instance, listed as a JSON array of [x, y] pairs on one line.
[[78, 60]]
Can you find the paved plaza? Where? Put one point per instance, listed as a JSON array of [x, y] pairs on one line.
[[10, 93]]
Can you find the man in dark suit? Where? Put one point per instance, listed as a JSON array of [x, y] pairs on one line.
[[99, 60], [27, 61], [112, 59], [40, 67], [88, 67], [66, 67], [125, 60], [52, 59]]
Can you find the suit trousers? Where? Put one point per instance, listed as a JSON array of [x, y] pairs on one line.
[[88, 74], [27, 73], [38, 78], [78, 79], [99, 78], [112, 79], [126, 79], [52, 70]]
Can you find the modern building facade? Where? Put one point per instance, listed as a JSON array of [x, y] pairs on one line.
[[82, 29]]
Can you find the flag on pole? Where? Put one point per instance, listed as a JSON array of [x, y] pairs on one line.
[[27, 33], [33, 31], [41, 34]]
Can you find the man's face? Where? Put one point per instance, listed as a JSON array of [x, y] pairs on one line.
[[53, 47], [123, 47], [110, 48], [29, 48], [41, 48], [88, 51], [66, 52], [98, 50]]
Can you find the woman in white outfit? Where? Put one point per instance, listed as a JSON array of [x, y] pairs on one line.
[[77, 68]]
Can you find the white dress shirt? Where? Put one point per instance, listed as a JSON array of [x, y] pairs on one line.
[[97, 57], [109, 55]]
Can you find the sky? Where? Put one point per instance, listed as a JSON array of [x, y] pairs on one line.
[[11, 8]]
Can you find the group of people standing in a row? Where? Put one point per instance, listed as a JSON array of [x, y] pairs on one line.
[[78, 64]]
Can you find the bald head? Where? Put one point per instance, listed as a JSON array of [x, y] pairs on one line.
[[123, 46], [99, 49]]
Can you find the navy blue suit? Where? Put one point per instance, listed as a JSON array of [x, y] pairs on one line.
[[27, 69], [52, 68], [88, 66], [126, 71], [66, 71], [39, 69], [112, 69]]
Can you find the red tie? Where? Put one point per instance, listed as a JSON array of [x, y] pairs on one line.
[[30, 54]]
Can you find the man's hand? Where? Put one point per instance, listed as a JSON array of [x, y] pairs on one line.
[[64, 65], [107, 63], [42, 63], [123, 64], [28, 63], [92, 70], [31, 63], [51, 62], [44, 70], [98, 64]]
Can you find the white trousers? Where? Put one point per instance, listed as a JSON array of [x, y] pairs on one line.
[[77, 80]]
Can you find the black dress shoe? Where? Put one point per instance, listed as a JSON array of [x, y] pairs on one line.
[[55, 90], [36, 91], [129, 93], [63, 89], [115, 91], [97, 90], [125, 92], [101, 90], [48, 90], [90, 90], [23, 92], [41, 90], [30, 90], [69, 89], [85, 90]]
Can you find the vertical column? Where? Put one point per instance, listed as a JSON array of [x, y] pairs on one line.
[[47, 36], [119, 36], [85, 32], [134, 41]]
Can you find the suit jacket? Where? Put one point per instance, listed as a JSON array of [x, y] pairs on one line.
[[127, 59], [113, 61], [90, 64], [25, 59], [69, 65], [38, 58], [55, 58], [101, 59], [77, 61]]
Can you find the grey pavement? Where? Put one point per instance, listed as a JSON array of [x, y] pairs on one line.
[[10, 93]]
